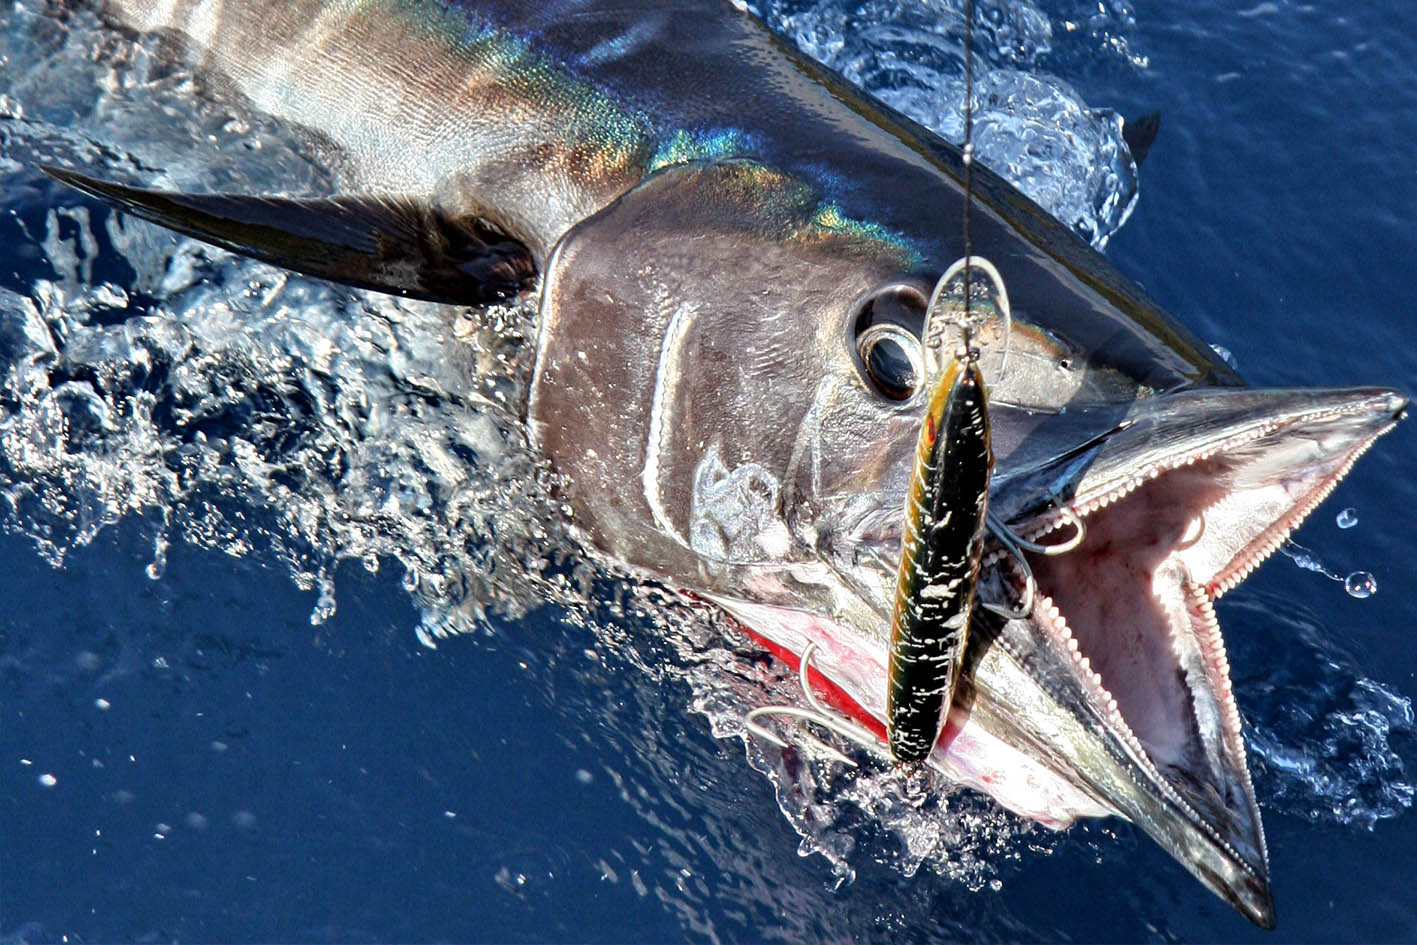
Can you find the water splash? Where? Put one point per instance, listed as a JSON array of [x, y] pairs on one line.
[[907, 822], [1327, 739], [1304, 558], [1358, 584], [1342, 767], [1031, 127]]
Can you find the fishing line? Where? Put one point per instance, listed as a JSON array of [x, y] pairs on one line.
[[967, 156]]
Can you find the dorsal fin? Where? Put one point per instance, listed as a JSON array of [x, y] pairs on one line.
[[394, 244], [1140, 134]]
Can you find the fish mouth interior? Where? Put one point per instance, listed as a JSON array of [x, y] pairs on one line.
[[1133, 604], [1139, 621]]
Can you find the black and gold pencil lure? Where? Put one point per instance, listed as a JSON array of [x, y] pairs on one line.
[[940, 554], [947, 506]]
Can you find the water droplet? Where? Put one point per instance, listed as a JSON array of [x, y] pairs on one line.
[[1347, 518], [1360, 584], [425, 636], [158, 566], [325, 603], [48, 780]]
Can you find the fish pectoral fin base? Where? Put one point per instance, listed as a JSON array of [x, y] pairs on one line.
[[396, 244]]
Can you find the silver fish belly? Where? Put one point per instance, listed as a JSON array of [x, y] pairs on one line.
[[723, 236]]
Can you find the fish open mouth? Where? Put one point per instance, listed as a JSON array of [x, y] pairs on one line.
[[1112, 694], [1179, 505]]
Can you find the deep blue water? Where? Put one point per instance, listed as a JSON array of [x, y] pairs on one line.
[[252, 776]]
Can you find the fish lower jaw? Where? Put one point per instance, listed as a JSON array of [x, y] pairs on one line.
[[1148, 680], [1202, 633]]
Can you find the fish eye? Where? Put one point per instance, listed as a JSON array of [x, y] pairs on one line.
[[887, 341], [891, 358]]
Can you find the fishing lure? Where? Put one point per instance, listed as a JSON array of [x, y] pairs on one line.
[[947, 508], [945, 521]]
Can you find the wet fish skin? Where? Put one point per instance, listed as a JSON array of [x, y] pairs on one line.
[[713, 218]]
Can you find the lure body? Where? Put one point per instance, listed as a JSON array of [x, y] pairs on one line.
[[939, 563]]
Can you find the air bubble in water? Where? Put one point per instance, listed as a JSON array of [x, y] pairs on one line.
[[1347, 518], [1360, 584], [1226, 356]]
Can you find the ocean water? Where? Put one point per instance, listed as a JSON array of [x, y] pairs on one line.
[[292, 646]]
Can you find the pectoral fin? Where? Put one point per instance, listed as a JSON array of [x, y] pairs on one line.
[[396, 244]]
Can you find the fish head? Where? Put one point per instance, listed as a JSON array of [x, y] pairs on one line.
[[730, 377], [704, 326]]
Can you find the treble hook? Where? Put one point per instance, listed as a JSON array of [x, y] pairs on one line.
[[1010, 541], [1069, 517], [1016, 546], [817, 712]]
